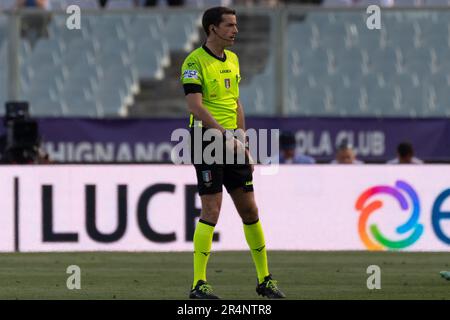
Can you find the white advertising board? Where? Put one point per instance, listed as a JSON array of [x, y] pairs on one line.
[[324, 207], [6, 209]]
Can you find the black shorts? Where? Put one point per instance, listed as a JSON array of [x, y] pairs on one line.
[[211, 177]]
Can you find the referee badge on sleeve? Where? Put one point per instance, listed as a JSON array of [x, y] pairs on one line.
[[227, 83], [190, 74]]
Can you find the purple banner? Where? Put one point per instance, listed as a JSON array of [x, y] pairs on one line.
[[148, 140]]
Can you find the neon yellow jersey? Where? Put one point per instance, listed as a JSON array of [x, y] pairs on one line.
[[219, 79]]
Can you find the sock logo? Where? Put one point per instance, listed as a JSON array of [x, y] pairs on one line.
[[260, 248], [398, 192], [204, 253]]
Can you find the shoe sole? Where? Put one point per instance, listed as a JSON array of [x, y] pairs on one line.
[[265, 296], [197, 298]]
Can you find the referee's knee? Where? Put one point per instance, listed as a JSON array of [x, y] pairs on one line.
[[210, 215], [249, 214]]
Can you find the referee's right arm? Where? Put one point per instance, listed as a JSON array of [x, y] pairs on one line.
[[192, 79], [195, 106]]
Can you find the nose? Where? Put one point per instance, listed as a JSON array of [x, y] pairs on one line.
[[236, 29]]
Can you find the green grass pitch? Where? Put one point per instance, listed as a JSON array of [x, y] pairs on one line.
[[301, 275]]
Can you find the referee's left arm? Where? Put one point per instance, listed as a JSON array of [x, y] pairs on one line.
[[240, 115], [241, 134], [240, 119]]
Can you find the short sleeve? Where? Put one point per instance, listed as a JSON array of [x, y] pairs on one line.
[[191, 72]]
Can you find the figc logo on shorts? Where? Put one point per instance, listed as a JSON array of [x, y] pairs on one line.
[[378, 241]]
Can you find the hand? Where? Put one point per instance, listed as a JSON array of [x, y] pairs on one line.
[[235, 149], [239, 147], [233, 144]]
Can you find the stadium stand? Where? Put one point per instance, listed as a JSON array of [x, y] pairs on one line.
[[104, 61], [405, 50], [125, 64], [7, 4], [3, 60], [85, 4]]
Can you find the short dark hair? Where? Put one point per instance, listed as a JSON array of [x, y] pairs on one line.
[[405, 149], [344, 145], [214, 16]]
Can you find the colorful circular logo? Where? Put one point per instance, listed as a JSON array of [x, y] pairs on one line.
[[377, 241]]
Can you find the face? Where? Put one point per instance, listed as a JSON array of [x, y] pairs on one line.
[[405, 159], [288, 153], [227, 30], [345, 156]]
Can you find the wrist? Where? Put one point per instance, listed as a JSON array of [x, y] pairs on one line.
[[227, 135]]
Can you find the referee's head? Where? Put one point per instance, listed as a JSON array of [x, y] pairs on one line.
[[220, 23]]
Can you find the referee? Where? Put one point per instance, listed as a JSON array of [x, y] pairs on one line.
[[210, 77]]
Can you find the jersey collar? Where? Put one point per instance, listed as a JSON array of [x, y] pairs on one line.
[[213, 55]]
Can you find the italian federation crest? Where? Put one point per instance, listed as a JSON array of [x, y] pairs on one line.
[[207, 177], [227, 83]]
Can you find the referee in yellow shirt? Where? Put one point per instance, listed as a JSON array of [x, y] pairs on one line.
[[210, 77]]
